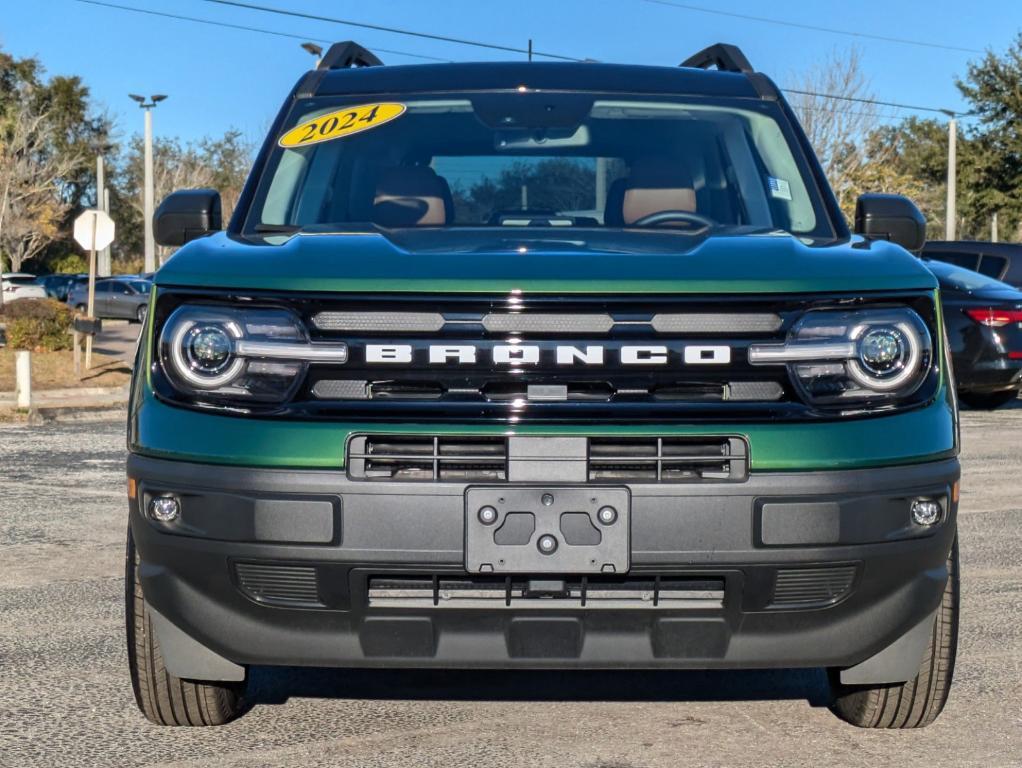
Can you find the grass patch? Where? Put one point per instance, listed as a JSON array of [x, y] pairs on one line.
[[56, 370]]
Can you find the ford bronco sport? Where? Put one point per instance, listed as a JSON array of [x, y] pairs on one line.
[[530, 365]]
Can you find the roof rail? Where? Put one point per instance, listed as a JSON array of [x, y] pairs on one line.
[[725, 57], [347, 55]]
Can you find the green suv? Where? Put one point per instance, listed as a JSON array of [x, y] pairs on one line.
[[529, 365]]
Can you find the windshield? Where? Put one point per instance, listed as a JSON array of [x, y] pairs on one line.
[[550, 160], [965, 279]]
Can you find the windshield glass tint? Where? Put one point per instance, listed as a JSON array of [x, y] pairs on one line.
[[559, 160]]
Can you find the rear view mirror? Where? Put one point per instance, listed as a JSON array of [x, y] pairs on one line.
[[187, 215], [890, 217]]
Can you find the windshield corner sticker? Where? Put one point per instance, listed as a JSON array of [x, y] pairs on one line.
[[779, 188], [343, 122]]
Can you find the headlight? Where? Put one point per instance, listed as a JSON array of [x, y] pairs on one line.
[[866, 354], [238, 353]]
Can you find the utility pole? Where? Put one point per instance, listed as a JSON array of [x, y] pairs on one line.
[[103, 267], [993, 228], [952, 177], [147, 193]]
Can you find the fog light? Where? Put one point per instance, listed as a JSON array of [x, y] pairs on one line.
[[164, 509], [925, 512]]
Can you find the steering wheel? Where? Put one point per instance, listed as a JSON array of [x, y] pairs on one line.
[[661, 217]]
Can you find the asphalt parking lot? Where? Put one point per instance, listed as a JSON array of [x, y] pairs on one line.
[[65, 699]]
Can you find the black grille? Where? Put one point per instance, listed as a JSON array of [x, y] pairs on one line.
[[468, 592], [433, 458], [582, 360], [667, 459], [812, 587], [427, 458], [285, 585]]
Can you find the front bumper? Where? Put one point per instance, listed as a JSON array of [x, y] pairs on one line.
[[298, 526]]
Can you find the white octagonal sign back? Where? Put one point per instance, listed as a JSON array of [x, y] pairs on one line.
[[94, 229]]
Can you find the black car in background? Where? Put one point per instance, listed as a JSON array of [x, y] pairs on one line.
[[1001, 261], [984, 326]]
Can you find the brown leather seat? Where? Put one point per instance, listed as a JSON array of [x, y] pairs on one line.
[[412, 196], [654, 184]]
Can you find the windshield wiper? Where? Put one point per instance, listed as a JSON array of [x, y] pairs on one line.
[[277, 229]]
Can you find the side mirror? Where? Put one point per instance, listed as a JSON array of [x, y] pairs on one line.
[[186, 215], [890, 217]]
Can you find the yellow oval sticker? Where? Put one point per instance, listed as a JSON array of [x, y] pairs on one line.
[[343, 122]]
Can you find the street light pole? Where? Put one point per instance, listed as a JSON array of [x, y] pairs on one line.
[[315, 50], [147, 192], [147, 195], [952, 179]]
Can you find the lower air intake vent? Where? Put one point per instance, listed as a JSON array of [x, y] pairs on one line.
[[812, 587], [286, 585], [667, 459], [429, 458], [467, 592]]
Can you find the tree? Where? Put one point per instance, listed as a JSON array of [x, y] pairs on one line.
[[839, 129], [915, 156], [220, 163], [47, 138], [993, 88]]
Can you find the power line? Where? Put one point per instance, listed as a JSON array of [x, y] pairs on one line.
[[227, 25], [237, 3], [394, 30], [863, 100], [849, 112], [814, 27]]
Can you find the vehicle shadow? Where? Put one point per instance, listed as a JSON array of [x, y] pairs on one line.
[[275, 685]]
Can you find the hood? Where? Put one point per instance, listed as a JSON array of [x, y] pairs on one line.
[[763, 263]]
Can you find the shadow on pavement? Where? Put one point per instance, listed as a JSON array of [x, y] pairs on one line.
[[274, 685]]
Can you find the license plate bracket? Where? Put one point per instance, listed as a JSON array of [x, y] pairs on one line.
[[513, 534]]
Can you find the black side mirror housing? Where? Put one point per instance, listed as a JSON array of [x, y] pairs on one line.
[[890, 217], [186, 215]]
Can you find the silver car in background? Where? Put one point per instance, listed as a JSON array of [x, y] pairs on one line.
[[20, 285], [116, 297]]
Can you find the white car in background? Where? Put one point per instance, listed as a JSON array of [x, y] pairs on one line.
[[19, 285]]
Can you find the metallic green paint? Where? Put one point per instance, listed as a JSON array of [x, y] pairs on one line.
[[715, 265], [171, 432], [768, 263]]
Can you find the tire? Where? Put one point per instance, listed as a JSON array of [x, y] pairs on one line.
[[987, 401], [163, 698], [141, 312], [916, 703]]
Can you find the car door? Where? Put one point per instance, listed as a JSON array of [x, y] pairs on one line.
[[102, 308], [119, 303]]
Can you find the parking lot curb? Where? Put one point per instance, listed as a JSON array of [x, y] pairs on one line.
[[79, 414]]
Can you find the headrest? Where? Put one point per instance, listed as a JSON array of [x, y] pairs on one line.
[[656, 184], [411, 196]]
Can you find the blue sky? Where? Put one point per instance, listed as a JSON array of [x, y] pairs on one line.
[[222, 78]]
